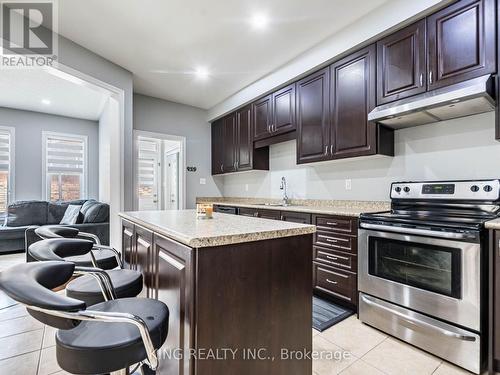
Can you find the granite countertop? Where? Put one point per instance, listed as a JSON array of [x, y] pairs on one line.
[[493, 224], [341, 208], [223, 229]]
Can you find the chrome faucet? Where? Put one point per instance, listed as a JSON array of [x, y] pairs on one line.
[[283, 187]]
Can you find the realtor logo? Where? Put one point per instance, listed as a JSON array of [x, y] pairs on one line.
[[29, 35]]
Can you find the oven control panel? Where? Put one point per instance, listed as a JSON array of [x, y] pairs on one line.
[[487, 190]]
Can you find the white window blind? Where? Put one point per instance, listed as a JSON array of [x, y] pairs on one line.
[[5, 150], [6, 167], [65, 166]]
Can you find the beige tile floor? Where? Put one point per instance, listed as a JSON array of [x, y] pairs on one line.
[[27, 347]]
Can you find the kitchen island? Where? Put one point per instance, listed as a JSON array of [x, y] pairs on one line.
[[238, 290]]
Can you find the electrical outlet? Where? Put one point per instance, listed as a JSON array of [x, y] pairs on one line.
[[203, 181], [348, 184]]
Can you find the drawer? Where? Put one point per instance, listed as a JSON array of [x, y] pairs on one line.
[[296, 217], [336, 241], [336, 259], [248, 212], [269, 214], [335, 282], [345, 225]]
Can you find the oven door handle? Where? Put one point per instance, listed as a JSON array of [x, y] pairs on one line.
[[418, 322], [423, 232]]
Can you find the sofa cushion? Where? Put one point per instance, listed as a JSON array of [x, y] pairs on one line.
[[97, 213], [24, 213], [56, 210], [12, 233], [87, 205], [72, 215]]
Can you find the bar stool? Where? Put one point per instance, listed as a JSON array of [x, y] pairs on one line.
[[94, 285], [109, 337], [105, 256]]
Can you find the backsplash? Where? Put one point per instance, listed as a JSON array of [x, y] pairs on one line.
[[456, 149]]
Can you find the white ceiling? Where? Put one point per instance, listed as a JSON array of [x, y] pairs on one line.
[[162, 42], [28, 88]]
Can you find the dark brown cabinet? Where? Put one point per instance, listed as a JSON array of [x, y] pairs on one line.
[[217, 147], [174, 280], [353, 97], [230, 146], [274, 114], [143, 242], [244, 142], [401, 64], [128, 248], [313, 117], [296, 217], [461, 42]]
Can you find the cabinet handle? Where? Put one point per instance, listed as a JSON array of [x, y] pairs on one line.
[[222, 167], [421, 79], [331, 149], [332, 258], [430, 77], [326, 150], [331, 282], [331, 223], [128, 233]]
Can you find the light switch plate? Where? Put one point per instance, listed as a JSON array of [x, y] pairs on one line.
[[348, 184], [203, 181]]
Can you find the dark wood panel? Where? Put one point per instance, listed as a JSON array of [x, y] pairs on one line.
[[461, 42], [262, 117], [336, 283], [144, 248], [259, 298], [336, 241], [353, 97], [244, 140], [229, 125], [296, 217], [284, 110], [174, 271], [269, 214], [243, 211], [217, 147], [128, 248], [401, 64], [339, 224], [313, 117], [497, 78]]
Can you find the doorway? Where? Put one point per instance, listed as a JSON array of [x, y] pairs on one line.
[[159, 171]]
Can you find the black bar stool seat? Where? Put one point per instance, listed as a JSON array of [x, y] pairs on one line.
[[127, 283], [97, 347], [56, 231]]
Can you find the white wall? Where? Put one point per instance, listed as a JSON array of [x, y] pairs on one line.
[[161, 116], [457, 149], [28, 148], [380, 21]]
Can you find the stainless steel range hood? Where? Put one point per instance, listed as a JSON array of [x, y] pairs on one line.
[[459, 100]]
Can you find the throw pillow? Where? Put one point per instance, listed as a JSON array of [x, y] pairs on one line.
[[72, 215], [97, 213]]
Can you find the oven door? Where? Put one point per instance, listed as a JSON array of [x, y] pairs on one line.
[[438, 277]]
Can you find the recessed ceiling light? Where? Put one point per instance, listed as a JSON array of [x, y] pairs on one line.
[[46, 101], [259, 21], [201, 72]]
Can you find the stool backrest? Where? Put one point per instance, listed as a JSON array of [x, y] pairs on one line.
[[59, 248], [31, 284], [56, 231]]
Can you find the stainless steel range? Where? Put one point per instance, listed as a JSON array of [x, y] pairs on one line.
[[422, 267]]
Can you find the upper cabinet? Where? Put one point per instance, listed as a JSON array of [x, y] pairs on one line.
[[229, 149], [461, 42], [332, 111], [244, 143], [352, 98], [217, 147], [313, 117], [401, 64], [274, 114]]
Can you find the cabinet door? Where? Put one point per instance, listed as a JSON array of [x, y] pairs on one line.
[[174, 283], [229, 125], [252, 212], [244, 141], [269, 214], [353, 97], [217, 147], [262, 118], [313, 117], [296, 217], [284, 110], [128, 253], [461, 40], [144, 248], [401, 65]]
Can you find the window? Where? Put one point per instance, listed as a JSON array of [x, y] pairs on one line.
[[6, 167], [65, 166]]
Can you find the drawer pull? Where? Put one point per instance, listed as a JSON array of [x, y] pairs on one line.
[[332, 258], [331, 282], [331, 240], [330, 223]]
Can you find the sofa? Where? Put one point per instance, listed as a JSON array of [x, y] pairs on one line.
[[23, 217]]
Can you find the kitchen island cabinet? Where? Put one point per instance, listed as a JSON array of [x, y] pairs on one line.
[[232, 282]]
